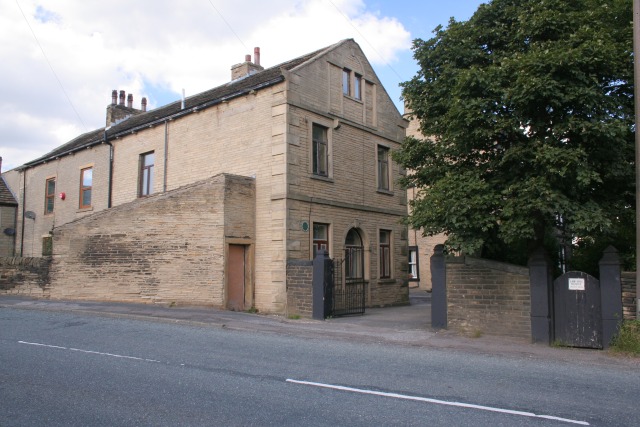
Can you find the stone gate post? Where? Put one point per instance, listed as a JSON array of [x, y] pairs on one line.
[[541, 283], [438, 289], [610, 294], [321, 276]]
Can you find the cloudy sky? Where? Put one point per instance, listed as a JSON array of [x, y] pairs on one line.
[[62, 58]]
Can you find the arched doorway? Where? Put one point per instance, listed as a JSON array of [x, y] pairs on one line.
[[354, 255], [349, 284]]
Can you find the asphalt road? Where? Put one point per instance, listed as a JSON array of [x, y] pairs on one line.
[[78, 369]]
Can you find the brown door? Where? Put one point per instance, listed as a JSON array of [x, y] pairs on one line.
[[235, 281]]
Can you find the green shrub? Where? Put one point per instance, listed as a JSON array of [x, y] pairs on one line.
[[628, 338]]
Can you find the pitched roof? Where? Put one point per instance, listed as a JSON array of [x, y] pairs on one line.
[[6, 196], [235, 88]]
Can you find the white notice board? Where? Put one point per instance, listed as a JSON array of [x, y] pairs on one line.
[[576, 284]]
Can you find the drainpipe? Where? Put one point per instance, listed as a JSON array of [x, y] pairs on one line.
[[24, 199], [110, 181], [166, 155], [15, 237]]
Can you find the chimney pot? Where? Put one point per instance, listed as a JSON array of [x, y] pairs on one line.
[[114, 97], [247, 58], [122, 97], [130, 101], [144, 104], [256, 55]]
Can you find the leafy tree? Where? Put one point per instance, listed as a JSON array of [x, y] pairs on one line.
[[528, 109]]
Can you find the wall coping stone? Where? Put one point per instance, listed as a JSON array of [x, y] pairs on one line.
[[299, 262], [493, 265]]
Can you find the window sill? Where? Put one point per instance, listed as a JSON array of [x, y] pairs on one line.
[[321, 178], [352, 98], [81, 210], [386, 281], [385, 192]]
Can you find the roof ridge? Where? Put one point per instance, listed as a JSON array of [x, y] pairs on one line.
[[322, 51], [204, 99]]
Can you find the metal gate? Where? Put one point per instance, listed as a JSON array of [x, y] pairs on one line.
[[344, 295]]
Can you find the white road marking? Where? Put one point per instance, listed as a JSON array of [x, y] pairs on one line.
[[89, 351], [436, 401], [350, 389]]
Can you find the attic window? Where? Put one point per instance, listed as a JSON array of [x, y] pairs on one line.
[[351, 84], [357, 87], [346, 81]]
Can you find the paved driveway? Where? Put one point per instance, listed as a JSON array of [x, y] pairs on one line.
[[414, 317]]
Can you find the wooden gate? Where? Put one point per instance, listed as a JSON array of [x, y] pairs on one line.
[[577, 310]]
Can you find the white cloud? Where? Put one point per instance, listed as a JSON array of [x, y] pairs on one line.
[[144, 45]]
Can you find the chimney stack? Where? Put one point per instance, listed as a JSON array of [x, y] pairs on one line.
[[0, 164], [247, 67], [115, 112]]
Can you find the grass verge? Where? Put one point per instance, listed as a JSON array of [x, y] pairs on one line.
[[628, 339]]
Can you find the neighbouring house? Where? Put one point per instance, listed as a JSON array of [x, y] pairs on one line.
[[420, 247], [8, 213], [205, 200]]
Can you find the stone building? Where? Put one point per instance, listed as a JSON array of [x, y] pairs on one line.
[[204, 200], [420, 247], [8, 213]]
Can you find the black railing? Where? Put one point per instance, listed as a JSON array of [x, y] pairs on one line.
[[347, 295]]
